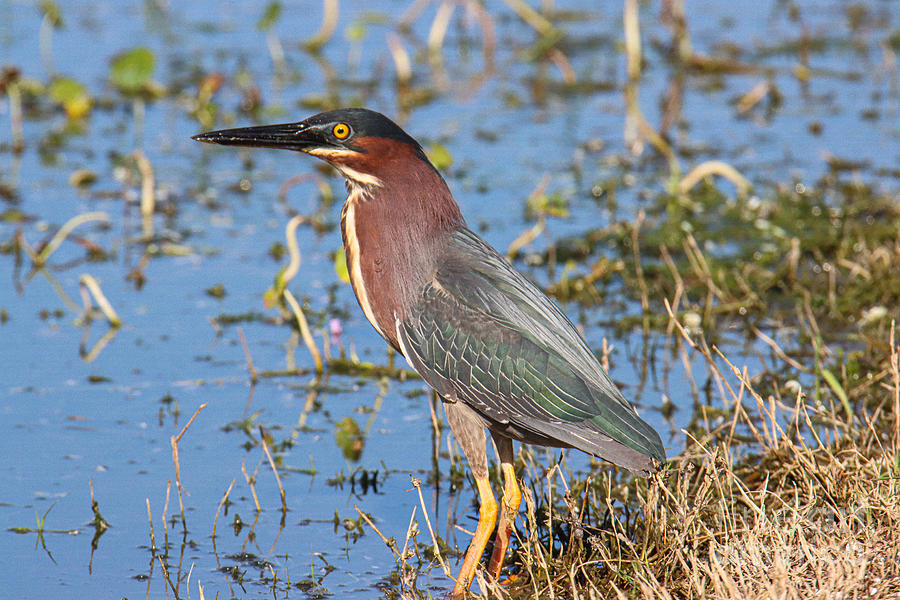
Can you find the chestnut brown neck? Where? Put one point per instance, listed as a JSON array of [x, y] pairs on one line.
[[394, 224]]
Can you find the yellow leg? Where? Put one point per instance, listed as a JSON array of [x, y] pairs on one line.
[[512, 497], [487, 518]]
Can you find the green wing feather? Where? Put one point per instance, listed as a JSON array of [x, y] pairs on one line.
[[483, 334]]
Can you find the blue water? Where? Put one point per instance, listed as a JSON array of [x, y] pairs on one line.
[[68, 422]]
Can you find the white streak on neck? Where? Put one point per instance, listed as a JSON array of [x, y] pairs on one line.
[[353, 265]]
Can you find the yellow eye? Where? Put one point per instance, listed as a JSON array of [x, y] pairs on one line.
[[341, 131]]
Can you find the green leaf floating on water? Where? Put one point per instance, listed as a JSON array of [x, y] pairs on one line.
[[349, 438], [131, 70], [72, 95]]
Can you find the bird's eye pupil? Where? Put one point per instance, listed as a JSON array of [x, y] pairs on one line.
[[341, 131]]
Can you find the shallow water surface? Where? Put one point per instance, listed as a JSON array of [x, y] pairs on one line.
[[89, 406]]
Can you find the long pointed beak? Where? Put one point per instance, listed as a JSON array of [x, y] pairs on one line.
[[292, 136]]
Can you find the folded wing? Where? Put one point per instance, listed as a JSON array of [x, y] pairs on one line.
[[482, 334]]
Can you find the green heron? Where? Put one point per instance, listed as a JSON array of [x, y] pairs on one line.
[[497, 350]]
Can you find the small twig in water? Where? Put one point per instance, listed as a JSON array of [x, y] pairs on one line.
[[254, 376], [174, 443], [304, 331], [152, 533], [165, 517], [437, 549], [219, 508], [148, 185], [90, 287], [262, 438], [44, 255], [389, 542], [251, 481]]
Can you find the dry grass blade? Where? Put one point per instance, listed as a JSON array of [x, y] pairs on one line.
[[562, 63], [165, 515], [488, 32], [439, 30], [778, 350], [754, 96], [41, 258], [262, 438], [176, 461], [308, 340], [279, 290], [166, 577], [293, 266], [148, 185], [99, 522], [631, 25], [389, 542], [14, 94], [251, 481], [637, 128], [402, 62], [152, 532], [533, 18], [714, 167], [321, 183], [219, 509], [526, 237], [188, 424], [638, 267], [532, 233], [894, 369], [330, 13], [92, 354], [254, 376], [437, 549], [90, 287]]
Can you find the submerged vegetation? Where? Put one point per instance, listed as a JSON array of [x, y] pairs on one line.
[[755, 300]]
